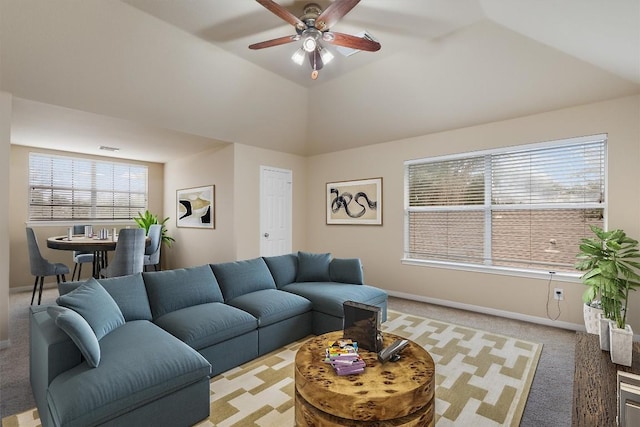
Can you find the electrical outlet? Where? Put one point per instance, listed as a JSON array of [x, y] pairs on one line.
[[558, 293]]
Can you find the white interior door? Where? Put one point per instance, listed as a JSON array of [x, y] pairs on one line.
[[275, 211]]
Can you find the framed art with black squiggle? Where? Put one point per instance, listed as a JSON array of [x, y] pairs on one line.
[[357, 202], [196, 207]]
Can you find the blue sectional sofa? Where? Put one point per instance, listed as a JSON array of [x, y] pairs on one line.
[[140, 349]]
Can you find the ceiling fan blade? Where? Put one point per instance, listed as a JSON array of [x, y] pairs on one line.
[[346, 40], [283, 13], [334, 12], [274, 42], [315, 60]]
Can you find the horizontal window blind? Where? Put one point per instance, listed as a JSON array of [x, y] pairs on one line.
[[69, 188], [447, 183], [526, 207]]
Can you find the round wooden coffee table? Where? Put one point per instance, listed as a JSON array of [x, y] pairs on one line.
[[391, 394]]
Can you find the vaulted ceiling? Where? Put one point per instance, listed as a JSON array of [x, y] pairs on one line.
[[178, 76]]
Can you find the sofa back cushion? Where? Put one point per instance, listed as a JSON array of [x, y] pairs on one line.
[[127, 291], [241, 277], [313, 267], [283, 268], [172, 290], [346, 270]]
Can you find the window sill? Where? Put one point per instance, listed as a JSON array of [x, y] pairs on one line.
[[94, 223], [505, 271]]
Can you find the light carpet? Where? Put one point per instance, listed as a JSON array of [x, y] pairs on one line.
[[482, 379]]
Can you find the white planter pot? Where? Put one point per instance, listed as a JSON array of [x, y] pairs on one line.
[[621, 344], [591, 318], [604, 332]]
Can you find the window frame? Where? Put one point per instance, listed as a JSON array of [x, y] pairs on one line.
[[93, 208], [488, 208]]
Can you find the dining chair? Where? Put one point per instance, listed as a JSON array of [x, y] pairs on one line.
[[40, 267], [80, 257], [152, 251], [129, 254]]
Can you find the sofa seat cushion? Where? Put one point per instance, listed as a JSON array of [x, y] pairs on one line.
[[327, 297], [140, 363], [206, 324], [271, 305]]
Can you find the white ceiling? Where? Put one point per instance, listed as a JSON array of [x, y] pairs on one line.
[[178, 76]]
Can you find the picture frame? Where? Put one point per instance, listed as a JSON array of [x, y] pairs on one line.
[[195, 207], [357, 202]]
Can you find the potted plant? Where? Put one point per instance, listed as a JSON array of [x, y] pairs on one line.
[[147, 219], [610, 261]]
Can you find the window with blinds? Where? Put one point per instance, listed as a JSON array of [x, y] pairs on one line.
[[524, 208], [70, 188]]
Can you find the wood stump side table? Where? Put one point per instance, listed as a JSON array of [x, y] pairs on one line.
[[395, 394]]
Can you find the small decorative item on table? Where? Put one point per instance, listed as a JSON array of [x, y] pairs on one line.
[[343, 356]]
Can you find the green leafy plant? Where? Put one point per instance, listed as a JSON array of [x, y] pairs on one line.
[[147, 219], [610, 261]]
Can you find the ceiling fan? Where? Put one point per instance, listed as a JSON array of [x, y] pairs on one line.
[[313, 27]]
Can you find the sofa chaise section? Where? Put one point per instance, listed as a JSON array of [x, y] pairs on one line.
[[141, 373], [327, 282], [141, 366]]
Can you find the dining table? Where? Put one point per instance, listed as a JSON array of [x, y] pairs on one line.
[[79, 242]]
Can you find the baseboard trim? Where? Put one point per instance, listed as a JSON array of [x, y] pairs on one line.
[[19, 289], [491, 311]]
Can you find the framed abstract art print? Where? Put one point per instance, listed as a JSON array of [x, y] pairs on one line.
[[196, 207], [356, 202]]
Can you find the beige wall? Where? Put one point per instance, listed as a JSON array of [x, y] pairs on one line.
[[5, 141], [196, 246], [20, 275], [235, 172], [381, 248], [247, 197]]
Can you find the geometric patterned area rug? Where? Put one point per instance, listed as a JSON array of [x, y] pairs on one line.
[[482, 379]]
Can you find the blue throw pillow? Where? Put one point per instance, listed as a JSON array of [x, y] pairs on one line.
[[313, 267], [127, 291], [79, 331], [94, 303]]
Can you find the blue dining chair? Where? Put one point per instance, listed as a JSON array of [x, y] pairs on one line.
[[80, 257], [129, 254], [40, 267], [152, 251]]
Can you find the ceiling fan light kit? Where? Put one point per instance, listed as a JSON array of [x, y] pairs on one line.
[[325, 55], [310, 39], [298, 56], [314, 26]]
